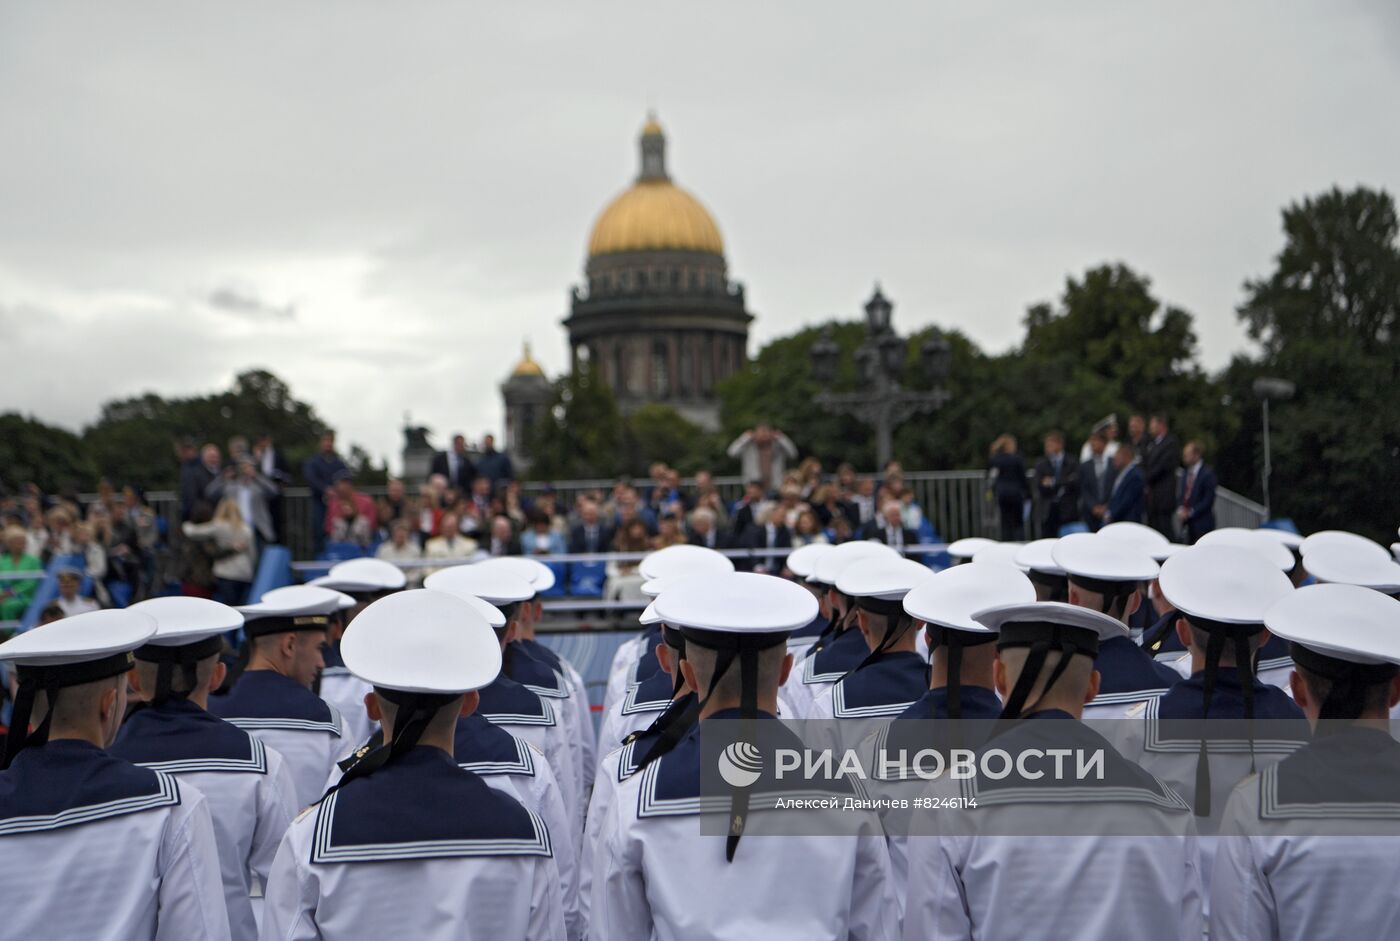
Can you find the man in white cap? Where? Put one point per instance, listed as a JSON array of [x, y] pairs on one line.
[[524, 711], [251, 795], [657, 876], [1106, 575], [408, 844], [801, 564], [272, 699], [650, 697], [1037, 560], [364, 580], [1050, 853], [841, 647], [1308, 847], [892, 675], [97, 847]]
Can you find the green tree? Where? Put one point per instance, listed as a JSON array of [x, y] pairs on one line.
[[1328, 319], [582, 435], [52, 457], [656, 432]]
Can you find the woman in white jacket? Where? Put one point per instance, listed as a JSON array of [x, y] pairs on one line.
[[230, 540]]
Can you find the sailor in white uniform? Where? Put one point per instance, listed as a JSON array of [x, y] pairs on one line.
[[524, 703], [1272, 666], [1106, 574], [841, 647], [273, 701], [364, 580], [1046, 855], [95, 847], [408, 844], [962, 550], [1310, 848], [647, 699], [251, 795], [633, 661], [541, 577], [801, 564], [657, 875]]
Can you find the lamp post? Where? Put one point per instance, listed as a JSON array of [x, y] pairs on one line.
[[1267, 388], [880, 362]]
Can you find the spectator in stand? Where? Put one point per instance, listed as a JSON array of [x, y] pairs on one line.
[[476, 510], [430, 508], [1137, 437], [1125, 500], [864, 500], [362, 504], [194, 558], [1006, 479], [668, 532], [744, 509], [94, 560], [591, 534], [348, 524], [503, 540], [629, 506], [622, 581], [763, 454], [828, 504], [449, 544], [514, 504], [1096, 474], [1159, 469], [58, 540], [707, 495], [321, 471], [400, 547], [541, 538], [890, 528], [809, 477], [790, 505], [808, 530], [1107, 429], [840, 530], [456, 465], [15, 595], [393, 507], [36, 531], [1197, 510], [1057, 480], [704, 529], [277, 470], [768, 532], [245, 485], [494, 465], [233, 549], [196, 470], [70, 581]]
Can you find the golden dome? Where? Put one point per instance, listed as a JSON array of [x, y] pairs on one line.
[[527, 365], [655, 214]]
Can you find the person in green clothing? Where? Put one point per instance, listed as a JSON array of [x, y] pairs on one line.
[[16, 594]]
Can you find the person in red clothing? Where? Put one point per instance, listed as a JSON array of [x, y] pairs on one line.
[[342, 492]]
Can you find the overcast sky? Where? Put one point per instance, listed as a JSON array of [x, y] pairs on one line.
[[380, 201]]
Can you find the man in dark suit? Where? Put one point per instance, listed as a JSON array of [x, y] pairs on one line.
[[1159, 472], [456, 465], [704, 532], [273, 465], [1096, 473], [767, 532], [590, 535], [196, 473], [1057, 481], [1197, 509], [888, 527], [503, 540], [1125, 493], [742, 512]]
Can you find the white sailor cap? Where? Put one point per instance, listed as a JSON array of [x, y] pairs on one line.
[[493, 615], [81, 639], [885, 578], [1345, 622], [1090, 558], [296, 594], [649, 616], [1289, 540], [1331, 538], [1001, 552], [1047, 615], [183, 619], [1222, 584], [294, 608], [1347, 563], [422, 641], [829, 566], [967, 547], [803, 559], [1038, 556], [683, 559], [540, 576], [1143, 538], [362, 577], [1255, 541], [950, 598], [736, 603], [498, 587]]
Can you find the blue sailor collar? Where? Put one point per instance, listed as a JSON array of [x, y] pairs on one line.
[[978, 702], [899, 742], [506, 702], [886, 686], [1274, 655], [1170, 642], [330, 654], [533, 673], [812, 630], [178, 736], [422, 806], [1128, 675], [542, 652], [1173, 722], [842, 654], [487, 749], [265, 699], [652, 694], [1346, 772], [647, 665], [65, 783]]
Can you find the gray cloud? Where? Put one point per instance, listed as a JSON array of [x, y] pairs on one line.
[[243, 303]]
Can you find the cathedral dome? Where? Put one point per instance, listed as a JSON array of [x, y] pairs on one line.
[[654, 214]]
